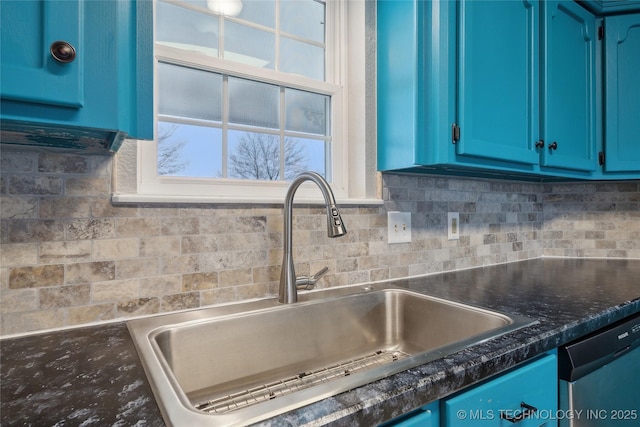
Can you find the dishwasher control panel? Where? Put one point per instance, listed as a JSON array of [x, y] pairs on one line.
[[595, 350]]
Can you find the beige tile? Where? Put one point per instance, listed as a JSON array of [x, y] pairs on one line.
[[91, 313], [217, 296], [117, 290], [18, 300], [18, 207], [62, 163], [115, 249], [18, 254], [180, 301], [137, 227], [91, 228], [36, 277], [179, 226], [256, 290], [90, 272], [13, 323], [180, 264], [266, 273], [64, 296], [64, 252], [19, 161], [138, 267], [138, 307], [199, 244], [30, 230], [160, 285], [242, 276], [200, 281], [87, 186], [41, 185], [159, 246], [65, 207], [103, 208]]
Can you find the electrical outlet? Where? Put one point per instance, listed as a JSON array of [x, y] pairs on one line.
[[399, 227], [453, 225]]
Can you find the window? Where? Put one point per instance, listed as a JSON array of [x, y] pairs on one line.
[[248, 94]]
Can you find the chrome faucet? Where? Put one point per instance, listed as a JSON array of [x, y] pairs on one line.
[[288, 292]]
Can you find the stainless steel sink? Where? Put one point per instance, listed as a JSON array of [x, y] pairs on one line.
[[241, 363]]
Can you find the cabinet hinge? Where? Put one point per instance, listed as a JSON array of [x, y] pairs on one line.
[[601, 158], [600, 32], [455, 133]]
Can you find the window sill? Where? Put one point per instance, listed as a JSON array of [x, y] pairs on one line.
[[121, 198]]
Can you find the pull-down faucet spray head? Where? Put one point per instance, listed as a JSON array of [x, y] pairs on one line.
[[335, 226]]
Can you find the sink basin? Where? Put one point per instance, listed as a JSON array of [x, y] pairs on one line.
[[241, 363]]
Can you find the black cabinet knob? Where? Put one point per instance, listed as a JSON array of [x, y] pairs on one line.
[[553, 146], [62, 51], [540, 144]]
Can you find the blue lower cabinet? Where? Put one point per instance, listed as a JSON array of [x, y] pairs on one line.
[[426, 416], [526, 397]]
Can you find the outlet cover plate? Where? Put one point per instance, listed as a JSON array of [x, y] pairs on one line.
[[399, 227], [453, 225]]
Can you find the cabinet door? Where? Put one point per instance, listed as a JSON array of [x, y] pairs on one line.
[[622, 108], [527, 396], [569, 87], [29, 71], [498, 80]]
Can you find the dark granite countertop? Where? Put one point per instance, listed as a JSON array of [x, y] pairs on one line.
[[93, 376]]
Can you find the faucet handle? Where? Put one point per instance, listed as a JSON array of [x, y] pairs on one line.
[[305, 283]]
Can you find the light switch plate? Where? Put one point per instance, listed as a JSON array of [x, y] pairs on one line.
[[399, 227]]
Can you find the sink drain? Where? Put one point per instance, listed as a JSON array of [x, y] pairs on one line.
[[301, 381]]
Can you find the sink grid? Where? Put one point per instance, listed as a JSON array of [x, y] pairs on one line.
[[297, 382]]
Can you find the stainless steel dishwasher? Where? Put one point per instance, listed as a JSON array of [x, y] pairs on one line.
[[600, 378]]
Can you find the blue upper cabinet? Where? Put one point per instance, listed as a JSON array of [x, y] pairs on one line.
[[29, 72], [604, 7], [76, 74], [415, 77], [622, 88], [569, 87], [494, 88], [498, 80]]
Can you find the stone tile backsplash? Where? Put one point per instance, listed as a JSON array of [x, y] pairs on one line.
[[592, 219], [70, 257]]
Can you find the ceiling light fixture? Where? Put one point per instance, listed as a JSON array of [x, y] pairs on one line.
[[225, 7]]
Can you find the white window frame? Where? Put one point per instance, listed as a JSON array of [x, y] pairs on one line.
[[354, 179]]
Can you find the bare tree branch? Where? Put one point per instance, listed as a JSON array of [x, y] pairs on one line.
[[257, 156], [169, 162]]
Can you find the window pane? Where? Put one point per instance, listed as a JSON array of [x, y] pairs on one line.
[[306, 112], [191, 151], [262, 12], [303, 155], [301, 58], [253, 103], [249, 46], [186, 29], [303, 18], [254, 155], [221, 125], [186, 92]]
